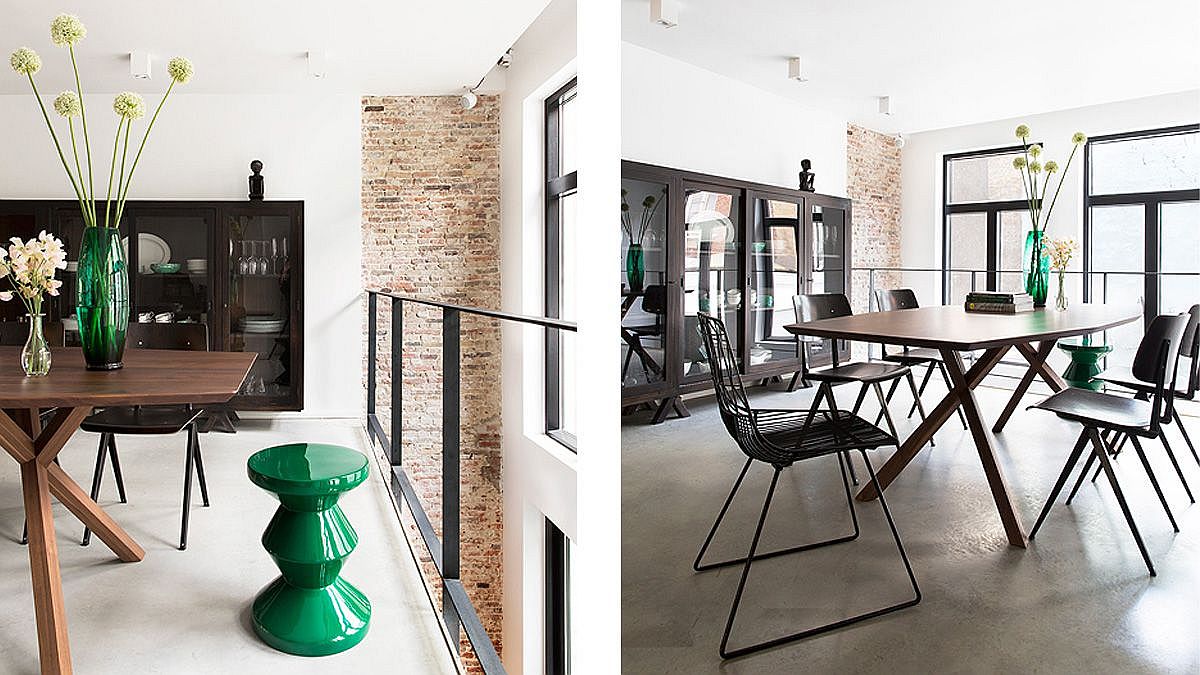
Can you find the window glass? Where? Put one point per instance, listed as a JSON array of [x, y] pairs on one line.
[[1150, 164], [989, 178]]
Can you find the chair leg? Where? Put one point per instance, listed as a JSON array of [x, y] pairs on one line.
[[950, 387], [862, 395], [625, 368], [1183, 431], [1072, 460], [1112, 479], [921, 389], [116, 465], [97, 474], [1082, 477], [188, 463], [727, 653], [827, 390], [887, 414], [796, 378], [194, 439], [1137, 446], [890, 394], [912, 384], [1175, 463]]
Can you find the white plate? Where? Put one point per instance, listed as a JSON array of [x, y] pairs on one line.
[[152, 250]]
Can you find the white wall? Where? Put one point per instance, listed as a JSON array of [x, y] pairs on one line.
[[539, 474], [679, 115], [201, 148], [921, 165]]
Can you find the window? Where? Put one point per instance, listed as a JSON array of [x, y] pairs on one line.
[[558, 601], [1142, 195], [561, 184], [984, 218]]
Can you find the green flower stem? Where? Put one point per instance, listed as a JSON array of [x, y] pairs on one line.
[[54, 136], [138, 156], [78, 167], [121, 174], [1063, 177], [112, 168], [87, 144]]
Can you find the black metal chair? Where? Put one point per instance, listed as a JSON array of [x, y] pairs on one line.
[[1098, 412], [152, 420], [1189, 348], [781, 438], [905, 298], [654, 301], [869, 375]]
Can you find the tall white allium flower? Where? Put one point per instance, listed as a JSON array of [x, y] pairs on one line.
[[1051, 166], [66, 30], [129, 105], [25, 61], [67, 104], [1022, 132], [180, 69], [1019, 162], [1078, 138], [1035, 150]]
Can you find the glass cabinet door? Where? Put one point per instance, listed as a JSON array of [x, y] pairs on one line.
[[712, 272], [644, 209], [169, 255], [827, 267], [775, 269], [261, 297]]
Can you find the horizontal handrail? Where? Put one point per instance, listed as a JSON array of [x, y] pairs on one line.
[[975, 270], [544, 321]]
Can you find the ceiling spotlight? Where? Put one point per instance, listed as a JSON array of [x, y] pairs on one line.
[[899, 138], [885, 105], [795, 71], [665, 12], [505, 59], [468, 100], [316, 63], [139, 64]]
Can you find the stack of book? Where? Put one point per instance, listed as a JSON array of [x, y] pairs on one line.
[[998, 303]]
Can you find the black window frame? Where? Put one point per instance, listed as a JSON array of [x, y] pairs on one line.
[[1152, 201], [558, 185], [992, 211], [557, 598]]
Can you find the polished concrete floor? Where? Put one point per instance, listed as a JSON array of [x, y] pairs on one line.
[[187, 611], [1079, 600]]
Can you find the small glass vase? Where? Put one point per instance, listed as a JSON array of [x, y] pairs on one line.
[[102, 285], [635, 268], [1035, 268], [35, 356], [1060, 301]]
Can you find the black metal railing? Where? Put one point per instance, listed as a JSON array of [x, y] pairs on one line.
[[458, 614]]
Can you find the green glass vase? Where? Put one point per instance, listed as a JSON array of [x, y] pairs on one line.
[[102, 289], [1035, 268], [635, 268]]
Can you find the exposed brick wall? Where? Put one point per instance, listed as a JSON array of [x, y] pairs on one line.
[[873, 183], [431, 229]]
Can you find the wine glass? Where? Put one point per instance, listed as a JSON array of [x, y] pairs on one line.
[[244, 260]]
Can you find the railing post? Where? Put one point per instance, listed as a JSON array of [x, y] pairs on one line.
[[451, 418], [870, 302], [396, 454], [372, 312]]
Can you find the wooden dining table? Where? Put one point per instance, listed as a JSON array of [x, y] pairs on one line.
[[951, 330], [149, 377]]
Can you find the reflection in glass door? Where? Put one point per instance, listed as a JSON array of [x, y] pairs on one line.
[[644, 209], [827, 265], [712, 271], [774, 279]]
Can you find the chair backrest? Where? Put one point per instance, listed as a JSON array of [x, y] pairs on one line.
[[815, 306], [654, 299], [15, 333], [1157, 358], [1189, 347], [182, 336], [896, 298]]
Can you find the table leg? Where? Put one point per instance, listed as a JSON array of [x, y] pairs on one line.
[[930, 425], [1037, 366], [987, 453], [54, 650]]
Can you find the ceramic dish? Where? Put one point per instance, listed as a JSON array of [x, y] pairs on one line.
[[151, 250], [165, 268]]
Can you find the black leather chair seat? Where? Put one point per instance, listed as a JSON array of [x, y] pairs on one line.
[[141, 420], [914, 357], [858, 372], [1098, 408]]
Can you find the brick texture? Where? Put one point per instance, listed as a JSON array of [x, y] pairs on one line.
[[873, 183], [431, 229]]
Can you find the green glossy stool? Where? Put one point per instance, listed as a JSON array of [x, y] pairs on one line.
[[1084, 357], [309, 610]]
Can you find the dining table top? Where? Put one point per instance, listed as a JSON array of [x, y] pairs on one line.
[[952, 327], [149, 377]]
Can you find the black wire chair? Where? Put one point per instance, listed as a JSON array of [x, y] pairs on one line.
[[1157, 355], [781, 438], [904, 298]]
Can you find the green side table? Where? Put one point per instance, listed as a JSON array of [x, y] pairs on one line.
[[1084, 357], [309, 610]]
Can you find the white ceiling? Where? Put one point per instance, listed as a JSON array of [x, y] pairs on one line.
[[259, 46], [943, 62]]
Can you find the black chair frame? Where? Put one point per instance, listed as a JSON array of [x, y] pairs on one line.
[[816, 432]]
